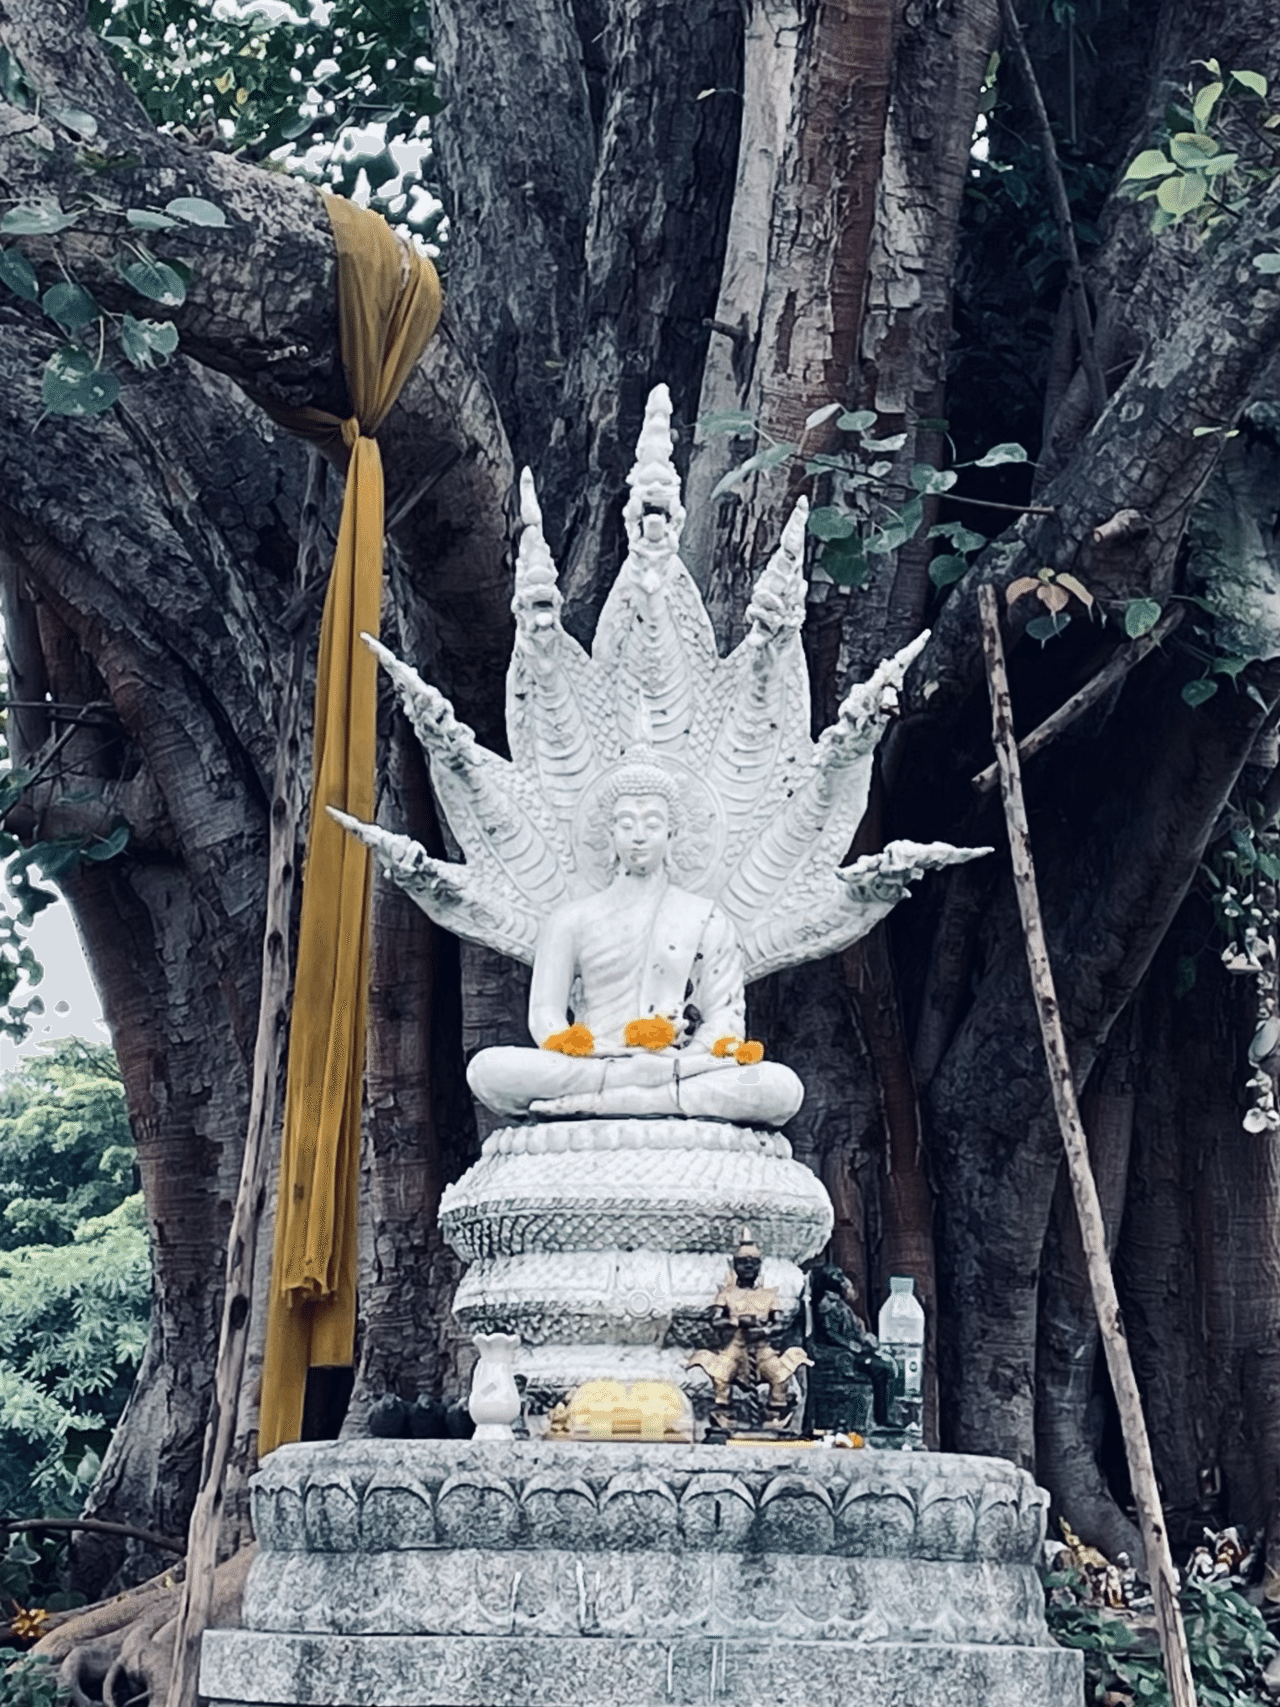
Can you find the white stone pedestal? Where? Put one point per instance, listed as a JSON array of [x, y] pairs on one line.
[[602, 1242], [566, 1574]]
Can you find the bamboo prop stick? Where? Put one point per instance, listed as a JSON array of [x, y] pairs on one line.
[[1151, 1524], [288, 796], [1116, 667]]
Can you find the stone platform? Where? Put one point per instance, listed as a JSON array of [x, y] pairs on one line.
[[463, 1574]]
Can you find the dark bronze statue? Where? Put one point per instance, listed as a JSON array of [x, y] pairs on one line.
[[851, 1376]]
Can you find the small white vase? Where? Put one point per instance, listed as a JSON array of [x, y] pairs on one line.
[[495, 1399]]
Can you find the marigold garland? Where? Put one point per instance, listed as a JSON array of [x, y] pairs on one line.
[[653, 1032], [575, 1040], [746, 1052]]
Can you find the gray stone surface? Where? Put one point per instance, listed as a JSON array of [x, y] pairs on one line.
[[242, 1667], [803, 1597], [599, 1574], [372, 1495]]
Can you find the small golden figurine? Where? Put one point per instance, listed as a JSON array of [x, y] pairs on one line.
[[749, 1314]]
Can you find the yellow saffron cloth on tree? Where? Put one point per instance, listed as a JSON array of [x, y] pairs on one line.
[[388, 307]]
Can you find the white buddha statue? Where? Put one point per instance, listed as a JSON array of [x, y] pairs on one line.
[[665, 830], [639, 958]]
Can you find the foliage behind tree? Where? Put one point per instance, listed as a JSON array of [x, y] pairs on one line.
[[66, 1150], [75, 1274]]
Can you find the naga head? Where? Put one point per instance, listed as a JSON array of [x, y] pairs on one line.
[[653, 513], [537, 599]]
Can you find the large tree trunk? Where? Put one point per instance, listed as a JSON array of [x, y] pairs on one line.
[[763, 206]]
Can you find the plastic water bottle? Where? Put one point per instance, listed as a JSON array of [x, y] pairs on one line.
[[901, 1327]]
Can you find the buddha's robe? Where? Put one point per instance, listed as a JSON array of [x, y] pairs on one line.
[[676, 955]]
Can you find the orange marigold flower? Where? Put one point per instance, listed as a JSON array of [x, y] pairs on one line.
[[724, 1046], [576, 1040], [654, 1032], [747, 1054], [29, 1623]]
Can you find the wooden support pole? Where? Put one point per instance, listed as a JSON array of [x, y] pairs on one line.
[[1151, 1525], [287, 801]]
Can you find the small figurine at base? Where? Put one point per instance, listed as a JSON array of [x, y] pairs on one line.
[[852, 1376], [747, 1317]]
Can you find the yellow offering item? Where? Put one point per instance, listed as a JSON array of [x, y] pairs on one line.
[[576, 1040], [629, 1410], [388, 306], [747, 1054], [655, 1032], [725, 1046]]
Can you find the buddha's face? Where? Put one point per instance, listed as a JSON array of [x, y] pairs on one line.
[[641, 832]]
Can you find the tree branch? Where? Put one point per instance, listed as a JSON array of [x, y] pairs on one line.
[[98, 1526], [1115, 669], [1061, 211]]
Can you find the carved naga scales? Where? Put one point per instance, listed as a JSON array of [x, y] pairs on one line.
[[768, 812]]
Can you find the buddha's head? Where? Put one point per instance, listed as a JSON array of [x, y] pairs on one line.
[[641, 833], [643, 803]]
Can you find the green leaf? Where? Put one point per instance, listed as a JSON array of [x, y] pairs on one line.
[[73, 384], [946, 571], [196, 211], [961, 537], [156, 280], [1229, 667], [1204, 103], [926, 478], [1151, 163], [75, 119], [36, 219], [13, 82], [860, 421], [1140, 617], [773, 456], [1044, 628], [144, 340], [900, 526], [735, 422], [18, 273], [1184, 977], [70, 305], [1265, 263], [845, 561], [820, 415], [999, 454], [1192, 148], [1182, 194], [828, 522], [1219, 164], [1195, 693], [1254, 81], [107, 847], [148, 219]]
